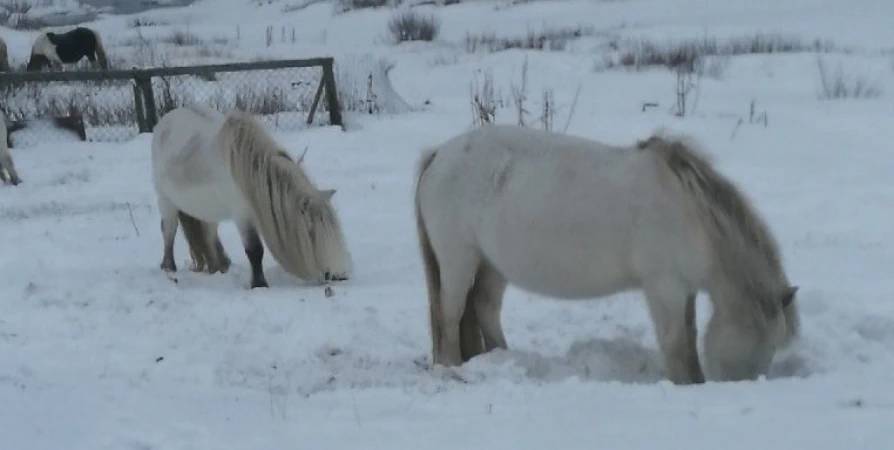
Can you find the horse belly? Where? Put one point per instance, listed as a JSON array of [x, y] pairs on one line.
[[203, 202], [560, 265]]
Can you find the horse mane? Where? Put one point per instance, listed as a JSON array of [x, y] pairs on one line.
[[746, 252], [293, 216]]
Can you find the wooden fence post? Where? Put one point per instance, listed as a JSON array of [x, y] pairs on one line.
[[331, 92], [316, 102], [138, 107], [145, 84]]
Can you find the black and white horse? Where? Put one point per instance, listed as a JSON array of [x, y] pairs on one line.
[[54, 49]]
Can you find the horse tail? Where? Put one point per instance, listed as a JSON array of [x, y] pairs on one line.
[[100, 50], [429, 259], [4, 56], [740, 238], [293, 217]]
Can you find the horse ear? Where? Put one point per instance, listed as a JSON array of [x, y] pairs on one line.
[[789, 296], [327, 194]]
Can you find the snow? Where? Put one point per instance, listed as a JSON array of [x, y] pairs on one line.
[[101, 350]]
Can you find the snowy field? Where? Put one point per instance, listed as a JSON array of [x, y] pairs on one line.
[[100, 350]]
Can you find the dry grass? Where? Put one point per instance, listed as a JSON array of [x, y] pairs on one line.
[[487, 101], [839, 85], [554, 39], [143, 21], [639, 54]]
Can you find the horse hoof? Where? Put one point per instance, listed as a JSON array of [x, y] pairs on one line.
[[168, 267], [259, 284], [328, 276]]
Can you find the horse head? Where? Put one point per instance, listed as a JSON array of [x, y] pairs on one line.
[[53, 37]]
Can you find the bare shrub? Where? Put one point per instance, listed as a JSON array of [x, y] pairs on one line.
[[138, 22], [548, 108], [484, 100], [640, 54], [182, 38], [292, 7], [265, 101], [520, 94], [554, 39], [15, 14], [16, 6], [343, 6], [685, 84], [839, 85], [413, 26]]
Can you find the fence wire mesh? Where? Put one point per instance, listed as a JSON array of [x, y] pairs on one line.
[[111, 110]]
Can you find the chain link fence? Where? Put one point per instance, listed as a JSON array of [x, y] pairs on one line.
[[117, 105]]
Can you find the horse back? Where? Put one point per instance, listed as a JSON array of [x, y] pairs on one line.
[[582, 207]]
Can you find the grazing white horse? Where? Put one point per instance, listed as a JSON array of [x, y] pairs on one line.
[[209, 167], [571, 218], [8, 172]]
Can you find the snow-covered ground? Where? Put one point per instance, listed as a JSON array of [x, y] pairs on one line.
[[100, 350]]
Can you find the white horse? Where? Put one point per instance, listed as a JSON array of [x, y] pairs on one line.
[[8, 172], [209, 167], [571, 218]]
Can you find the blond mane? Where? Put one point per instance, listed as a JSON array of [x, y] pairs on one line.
[[293, 216], [746, 252]]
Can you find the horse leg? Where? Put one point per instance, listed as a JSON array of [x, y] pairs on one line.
[[169, 224], [194, 230], [218, 260], [487, 297], [673, 312], [470, 341], [213, 257], [8, 172], [254, 250], [223, 258], [458, 268], [13, 175]]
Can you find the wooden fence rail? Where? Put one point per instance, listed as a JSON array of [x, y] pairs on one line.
[[145, 109]]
